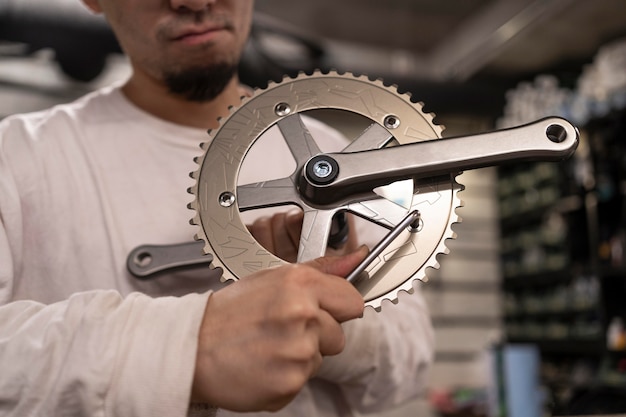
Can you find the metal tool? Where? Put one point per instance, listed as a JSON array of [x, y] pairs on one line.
[[405, 224]]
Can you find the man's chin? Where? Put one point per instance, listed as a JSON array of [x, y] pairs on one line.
[[201, 83]]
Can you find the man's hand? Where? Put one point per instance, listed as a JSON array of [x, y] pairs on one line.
[[280, 235], [264, 336]]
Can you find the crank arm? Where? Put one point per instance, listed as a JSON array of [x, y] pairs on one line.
[[148, 261], [329, 178]]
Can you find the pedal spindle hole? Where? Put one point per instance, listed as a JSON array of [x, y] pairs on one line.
[[556, 133], [143, 259]]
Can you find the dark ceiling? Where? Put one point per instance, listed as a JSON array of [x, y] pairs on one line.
[[453, 54], [458, 39]]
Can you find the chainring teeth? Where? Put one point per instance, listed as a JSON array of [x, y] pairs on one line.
[[228, 144], [195, 220]]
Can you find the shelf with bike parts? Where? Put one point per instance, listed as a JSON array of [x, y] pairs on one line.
[[563, 261], [563, 240]]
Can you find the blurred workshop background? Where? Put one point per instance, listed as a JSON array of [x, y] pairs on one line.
[[529, 307]]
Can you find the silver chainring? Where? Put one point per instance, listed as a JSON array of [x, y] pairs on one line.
[[220, 200]]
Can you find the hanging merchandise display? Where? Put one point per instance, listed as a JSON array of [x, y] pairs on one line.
[[600, 88]]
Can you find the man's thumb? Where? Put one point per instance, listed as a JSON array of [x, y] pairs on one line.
[[340, 265]]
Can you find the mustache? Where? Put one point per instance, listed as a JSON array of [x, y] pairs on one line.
[[181, 23]]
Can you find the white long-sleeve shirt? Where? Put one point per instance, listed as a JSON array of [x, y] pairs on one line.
[[83, 184]]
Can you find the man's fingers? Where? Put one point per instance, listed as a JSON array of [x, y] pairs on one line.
[[340, 265], [279, 233], [283, 244], [336, 296], [261, 229], [332, 339], [293, 220]]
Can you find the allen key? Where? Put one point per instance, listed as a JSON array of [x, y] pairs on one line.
[[411, 220]]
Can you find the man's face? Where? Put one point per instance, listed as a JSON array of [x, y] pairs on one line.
[[166, 39]]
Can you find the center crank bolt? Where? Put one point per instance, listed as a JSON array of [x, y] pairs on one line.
[[322, 170]]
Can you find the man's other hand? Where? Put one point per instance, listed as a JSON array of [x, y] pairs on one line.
[[280, 235]]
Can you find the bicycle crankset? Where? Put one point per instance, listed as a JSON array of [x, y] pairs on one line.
[[399, 164]]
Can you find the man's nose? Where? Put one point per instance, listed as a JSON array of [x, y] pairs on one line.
[[192, 5]]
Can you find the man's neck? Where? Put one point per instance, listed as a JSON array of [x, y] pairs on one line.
[[155, 99]]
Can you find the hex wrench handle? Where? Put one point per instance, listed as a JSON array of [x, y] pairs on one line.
[[411, 218]]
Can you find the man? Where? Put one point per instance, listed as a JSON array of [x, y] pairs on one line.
[[82, 184]]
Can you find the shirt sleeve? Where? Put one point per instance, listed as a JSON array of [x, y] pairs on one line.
[[387, 356], [99, 354], [95, 353]]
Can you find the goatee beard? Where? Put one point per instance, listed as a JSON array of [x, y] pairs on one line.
[[201, 84]]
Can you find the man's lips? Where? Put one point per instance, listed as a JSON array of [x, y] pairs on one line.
[[198, 35]]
